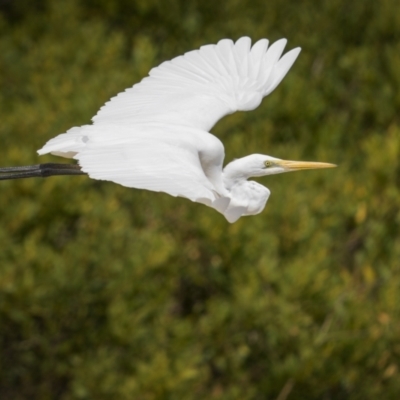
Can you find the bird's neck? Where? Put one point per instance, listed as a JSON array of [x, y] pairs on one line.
[[234, 174]]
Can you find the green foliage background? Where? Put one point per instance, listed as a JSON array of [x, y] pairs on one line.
[[111, 293]]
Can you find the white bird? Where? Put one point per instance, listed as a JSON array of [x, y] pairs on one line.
[[155, 135]]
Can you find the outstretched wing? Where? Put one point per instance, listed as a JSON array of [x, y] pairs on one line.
[[200, 87], [147, 157]]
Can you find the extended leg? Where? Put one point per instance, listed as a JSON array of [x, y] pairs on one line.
[[40, 170]]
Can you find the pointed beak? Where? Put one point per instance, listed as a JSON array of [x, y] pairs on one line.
[[300, 165]]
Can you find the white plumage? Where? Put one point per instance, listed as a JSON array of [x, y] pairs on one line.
[[155, 135], [200, 87]]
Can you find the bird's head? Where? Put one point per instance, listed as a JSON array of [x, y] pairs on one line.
[[262, 165]]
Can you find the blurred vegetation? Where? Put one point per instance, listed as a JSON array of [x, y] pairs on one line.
[[115, 293]]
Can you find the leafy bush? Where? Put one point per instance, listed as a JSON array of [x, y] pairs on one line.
[[115, 293]]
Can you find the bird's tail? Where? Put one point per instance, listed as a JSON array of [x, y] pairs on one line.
[[66, 144], [40, 170]]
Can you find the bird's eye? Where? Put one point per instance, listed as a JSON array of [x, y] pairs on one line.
[[268, 164]]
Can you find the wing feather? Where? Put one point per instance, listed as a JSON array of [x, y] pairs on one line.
[[146, 157], [257, 52], [200, 87]]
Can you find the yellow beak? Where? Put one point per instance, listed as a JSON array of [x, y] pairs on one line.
[[300, 165]]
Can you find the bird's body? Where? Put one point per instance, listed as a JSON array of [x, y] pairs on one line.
[[202, 178], [155, 135]]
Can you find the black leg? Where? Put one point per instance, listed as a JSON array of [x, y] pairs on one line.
[[40, 170]]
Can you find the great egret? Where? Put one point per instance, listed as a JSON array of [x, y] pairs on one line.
[[155, 135]]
